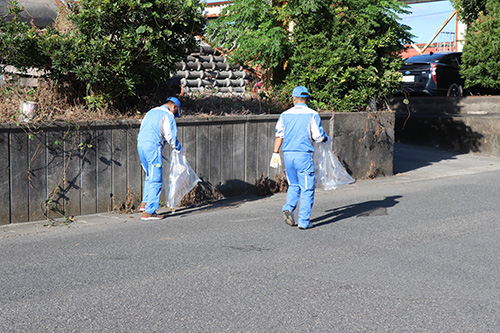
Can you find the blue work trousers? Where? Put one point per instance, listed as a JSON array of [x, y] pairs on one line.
[[152, 163], [299, 168]]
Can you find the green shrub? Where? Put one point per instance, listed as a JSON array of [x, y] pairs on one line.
[[345, 51], [481, 53], [107, 49]]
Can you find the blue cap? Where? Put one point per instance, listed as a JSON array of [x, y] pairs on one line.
[[178, 103], [300, 91]]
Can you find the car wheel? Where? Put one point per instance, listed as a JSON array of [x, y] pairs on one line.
[[455, 90]]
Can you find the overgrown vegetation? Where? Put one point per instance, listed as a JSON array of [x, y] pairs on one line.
[[105, 51], [53, 105], [345, 51], [468, 10], [481, 53]]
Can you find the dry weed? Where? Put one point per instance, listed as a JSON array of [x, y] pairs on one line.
[[130, 205], [203, 193], [52, 105], [55, 104], [374, 172], [266, 186], [208, 105]]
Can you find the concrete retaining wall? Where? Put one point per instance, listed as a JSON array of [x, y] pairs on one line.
[[460, 124], [61, 169]]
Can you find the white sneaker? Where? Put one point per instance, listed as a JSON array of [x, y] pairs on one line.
[[304, 228]]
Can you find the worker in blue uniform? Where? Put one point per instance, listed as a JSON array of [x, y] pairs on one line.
[[296, 129], [157, 129]]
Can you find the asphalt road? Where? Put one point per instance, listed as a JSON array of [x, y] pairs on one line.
[[415, 252]]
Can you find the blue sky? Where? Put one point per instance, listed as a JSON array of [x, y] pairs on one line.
[[426, 19]]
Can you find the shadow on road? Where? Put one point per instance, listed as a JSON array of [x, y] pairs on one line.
[[368, 208], [227, 202], [410, 157]]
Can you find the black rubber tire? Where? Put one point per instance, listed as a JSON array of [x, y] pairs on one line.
[[455, 90]]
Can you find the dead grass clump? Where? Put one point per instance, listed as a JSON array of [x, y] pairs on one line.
[[62, 23], [203, 193], [374, 172], [266, 186], [130, 205], [207, 105], [54, 103]]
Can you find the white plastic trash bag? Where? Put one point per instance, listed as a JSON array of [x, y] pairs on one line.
[[181, 179], [330, 174]]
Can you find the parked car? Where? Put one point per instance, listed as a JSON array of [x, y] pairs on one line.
[[434, 74]]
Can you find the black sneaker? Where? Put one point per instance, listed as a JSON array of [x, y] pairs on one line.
[[289, 218]]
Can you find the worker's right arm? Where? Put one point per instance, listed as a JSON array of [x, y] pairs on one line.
[[276, 159], [169, 132]]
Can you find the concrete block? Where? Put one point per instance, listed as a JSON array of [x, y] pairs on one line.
[[251, 153], [134, 169], [263, 153], [54, 205], [239, 152], [19, 177], [216, 161], [364, 143], [189, 144], [203, 152], [5, 196], [104, 150], [227, 159], [89, 172], [119, 166], [72, 173], [37, 175]]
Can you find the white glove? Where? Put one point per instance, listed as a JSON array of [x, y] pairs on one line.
[[275, 161]]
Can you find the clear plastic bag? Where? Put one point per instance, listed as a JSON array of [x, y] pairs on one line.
[[181, 179], [330, 174]]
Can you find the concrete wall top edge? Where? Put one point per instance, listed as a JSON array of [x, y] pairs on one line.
[[448, 105], [57, 125]]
